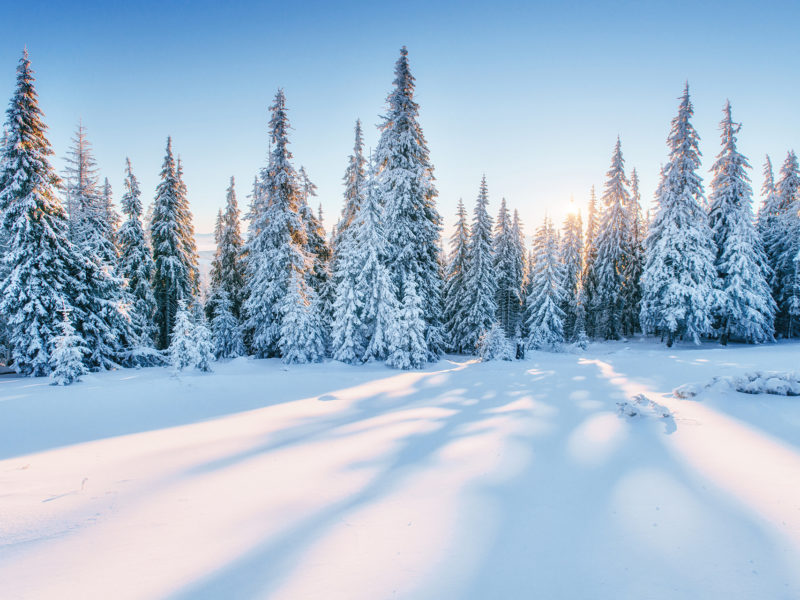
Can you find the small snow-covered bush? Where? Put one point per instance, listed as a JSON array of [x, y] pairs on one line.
[[191, 344], [66, 361], [494, 345]]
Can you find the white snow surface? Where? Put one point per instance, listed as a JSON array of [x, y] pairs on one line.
[[465, 480]]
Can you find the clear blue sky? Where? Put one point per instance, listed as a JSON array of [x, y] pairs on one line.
[[532, 94]]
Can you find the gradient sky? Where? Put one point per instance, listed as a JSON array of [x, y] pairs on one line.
[[531, 94]]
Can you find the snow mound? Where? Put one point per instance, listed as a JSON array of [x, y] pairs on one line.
[[756, 382]]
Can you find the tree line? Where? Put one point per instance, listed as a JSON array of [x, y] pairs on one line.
[[84, 288]]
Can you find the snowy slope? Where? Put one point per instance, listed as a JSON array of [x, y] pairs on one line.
[[466, 480]]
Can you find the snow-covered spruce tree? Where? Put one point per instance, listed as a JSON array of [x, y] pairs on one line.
[[407, 192], [782, 242], [66, 361], [572, 261], [348, 334], [225, 327], [614, 252], [318, 276], [90, 224], [380, 310], [519, 236], [203, 344], [173, 280], [545, 319], [136, 261], [769, 207], [745, 310], [454, 290], [589, 277], [508, 267], [355, 181], [186, 228], [494, 345], [678, 282], [480, 285], [277, 262], [39, 266], [227, 267], [182, 350], [407, 348], [633, 273], [110, 214]]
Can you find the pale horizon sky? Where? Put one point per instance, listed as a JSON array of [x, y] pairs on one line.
[[531, 94]]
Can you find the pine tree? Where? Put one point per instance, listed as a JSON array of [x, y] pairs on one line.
[[228, 341], [745, 310], [380, 309], [405, 180], [494, 345], [40, 267], [203, 345], [90, 224], [277, 260], [407, 338], [186, 228], [66, 361], [110, 215], [508, 269], [454, 290], [136, 261], [572, 261], [768, 209], [545, 320], [633, 273], [589, 277], [519, 237], [355, 181], [173, 280], [480, 285], [182, 349], [614, 252], [227, 267], [783, 244], [679, 275]]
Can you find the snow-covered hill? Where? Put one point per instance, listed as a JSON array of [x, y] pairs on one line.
[[466, 480]]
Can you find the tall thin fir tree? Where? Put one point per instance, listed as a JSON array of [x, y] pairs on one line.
[[782, 242], [111, 215], [614, 252], [508, 268], [572, 261], [355, 180], [186, 228], [769, 208], [745, 310], [413, 224], [227, 267], [518, 234], [480, 285], [277, 287], [589, 277], [90, 227], [318, 276], [39, 267], [408, 347], [380, 310], [173, 280], [678, 283], [545, 319], [635, 266], [454, 290], [136, 260]]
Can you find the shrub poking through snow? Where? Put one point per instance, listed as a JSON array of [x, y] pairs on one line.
[[494, 345]]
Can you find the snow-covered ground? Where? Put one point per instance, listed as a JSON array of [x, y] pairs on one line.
[[467, 480]]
